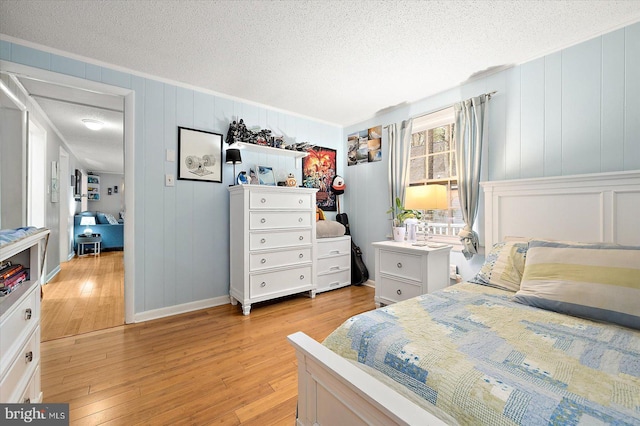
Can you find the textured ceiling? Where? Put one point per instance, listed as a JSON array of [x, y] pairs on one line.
[[339, 62]]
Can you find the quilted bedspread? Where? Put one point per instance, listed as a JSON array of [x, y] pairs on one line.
[[484, 359]]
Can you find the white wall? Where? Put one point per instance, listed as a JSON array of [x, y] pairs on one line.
[[113, 203], [571, 112], [11, 191]]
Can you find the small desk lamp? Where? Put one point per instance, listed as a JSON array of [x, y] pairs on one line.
[[424, 197], [233, 157], [87, 221]]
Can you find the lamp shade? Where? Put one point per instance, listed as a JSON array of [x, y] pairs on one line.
[[233, 156], [426, 197], [87, 221]]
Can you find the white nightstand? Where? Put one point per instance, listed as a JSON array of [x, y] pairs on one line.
[[404, 271]]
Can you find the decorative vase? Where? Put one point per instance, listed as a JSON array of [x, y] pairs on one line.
[[398, 233]]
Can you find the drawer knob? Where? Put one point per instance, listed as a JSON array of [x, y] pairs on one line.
[[27, 401], [301, 238], [262, 241], [300, 219], [263, 284], [263, 260], [335, 283], [302, 277], [263, 220], [334, 252], [399, 292], [27, 314], [28, 357], [301, 255], [399, 265], [263, 200], [334, 268], [300, 201]]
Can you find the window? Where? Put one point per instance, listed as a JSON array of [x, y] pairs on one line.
[[433, 161]]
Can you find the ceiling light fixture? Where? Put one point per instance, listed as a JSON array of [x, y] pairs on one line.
[[93, 124]]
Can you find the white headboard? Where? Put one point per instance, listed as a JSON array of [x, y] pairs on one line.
[[599, 207]]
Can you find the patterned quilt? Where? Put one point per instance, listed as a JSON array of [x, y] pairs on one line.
[[484, 359]]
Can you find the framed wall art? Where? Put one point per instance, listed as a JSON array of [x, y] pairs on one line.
[[199, 155], [318, 171], [266, 175]]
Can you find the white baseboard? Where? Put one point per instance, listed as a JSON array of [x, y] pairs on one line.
[[180, 309], [370, 283], [52, 274]]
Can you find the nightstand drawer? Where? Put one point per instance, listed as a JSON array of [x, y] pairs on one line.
[[403, 265], [259, 261], [274, 282], [397, 290], [282, 200], [270, 220]]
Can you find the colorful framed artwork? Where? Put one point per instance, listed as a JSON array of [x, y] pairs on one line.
[[364, 146], [266, 176], [318, 171], [199, 155]]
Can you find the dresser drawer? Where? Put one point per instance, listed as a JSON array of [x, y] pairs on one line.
[[31, 394], [333, 280], [270, 220], [259, 261], [402, 265], [275, 282], [334, 246], [281, 200], [18, 374], [269, 240], [333, 264], [397, 290], [17, 324]]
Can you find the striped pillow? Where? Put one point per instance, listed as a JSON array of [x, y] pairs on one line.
[[595, 281], [503, 266]]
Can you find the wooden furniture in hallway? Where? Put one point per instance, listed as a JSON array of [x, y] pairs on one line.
[[213, 366], [86, 295]]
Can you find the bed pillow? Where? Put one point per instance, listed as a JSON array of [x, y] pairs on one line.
[[503, 266], [594, 281]]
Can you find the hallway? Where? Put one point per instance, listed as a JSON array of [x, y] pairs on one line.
[[86, 295]]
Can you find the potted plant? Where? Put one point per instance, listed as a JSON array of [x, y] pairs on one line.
[[400, 214]]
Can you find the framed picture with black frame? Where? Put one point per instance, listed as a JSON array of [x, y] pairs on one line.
[[199, 155]]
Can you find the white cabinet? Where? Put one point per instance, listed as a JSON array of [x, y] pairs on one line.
[[272, 234], [20, 324], [333, 263], [404, 271]]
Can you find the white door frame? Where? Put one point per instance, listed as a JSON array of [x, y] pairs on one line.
[[65, 207], [129, 161]]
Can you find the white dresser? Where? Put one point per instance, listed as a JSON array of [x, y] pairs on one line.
[[272, 238], [20, 324], [404, 271], [334, 263]]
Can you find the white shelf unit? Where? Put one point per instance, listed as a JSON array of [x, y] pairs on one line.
[[20, 324], [93, 187], [269, 150], [334, 263]]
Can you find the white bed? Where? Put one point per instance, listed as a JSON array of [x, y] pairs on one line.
[[589, 208]]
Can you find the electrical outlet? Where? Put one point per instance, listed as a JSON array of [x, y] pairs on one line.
[[169, 180]]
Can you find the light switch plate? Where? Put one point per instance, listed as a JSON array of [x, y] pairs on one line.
[[169, 180], [171, 155]]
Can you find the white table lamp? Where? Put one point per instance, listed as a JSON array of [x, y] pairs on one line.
[[87, 221]]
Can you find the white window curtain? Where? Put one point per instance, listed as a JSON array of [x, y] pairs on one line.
[[471, 119], [399, 150]]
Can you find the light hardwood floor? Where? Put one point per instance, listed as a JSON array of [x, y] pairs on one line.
[[86, 295], [213, 366]]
